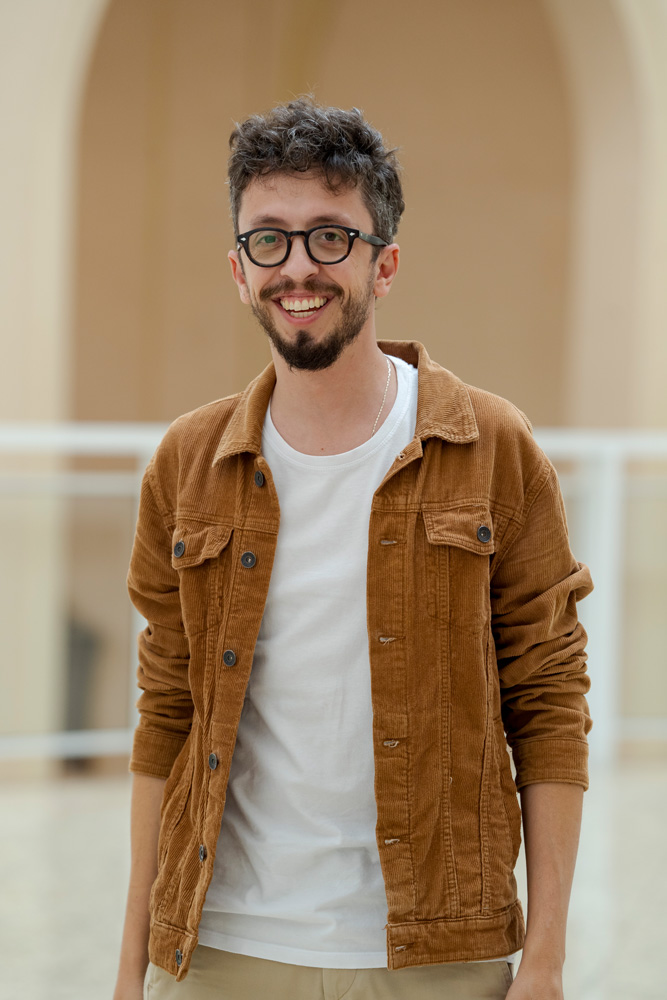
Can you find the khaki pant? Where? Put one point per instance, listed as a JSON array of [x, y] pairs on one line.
[[224, 975]]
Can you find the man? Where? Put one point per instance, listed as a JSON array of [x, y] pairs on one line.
[[359, 590]]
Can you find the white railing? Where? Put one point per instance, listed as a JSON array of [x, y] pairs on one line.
[[601, 485]]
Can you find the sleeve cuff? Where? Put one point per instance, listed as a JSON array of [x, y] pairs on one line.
[[551, 760], [154, 753]]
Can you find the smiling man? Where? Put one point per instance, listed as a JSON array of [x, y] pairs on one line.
[[359, 595]]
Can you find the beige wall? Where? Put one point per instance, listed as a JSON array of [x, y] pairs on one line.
[[471, 92]]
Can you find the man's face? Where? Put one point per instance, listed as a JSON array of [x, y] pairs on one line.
[[344, 293]]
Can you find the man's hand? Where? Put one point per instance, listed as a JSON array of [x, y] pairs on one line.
[[536, 983], [129, 989]]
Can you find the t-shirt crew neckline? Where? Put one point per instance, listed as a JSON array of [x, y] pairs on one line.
[[363, 451]]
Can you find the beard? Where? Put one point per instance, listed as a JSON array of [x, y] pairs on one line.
[[306, 353]]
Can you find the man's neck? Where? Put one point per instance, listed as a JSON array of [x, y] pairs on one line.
[[332, 411]]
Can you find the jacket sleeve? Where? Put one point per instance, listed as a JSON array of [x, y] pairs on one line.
[[540, 644], [165, 704]]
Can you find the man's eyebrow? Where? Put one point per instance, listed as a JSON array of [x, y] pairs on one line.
[[320, 220]]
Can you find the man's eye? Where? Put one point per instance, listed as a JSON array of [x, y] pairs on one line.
[[268, 239]]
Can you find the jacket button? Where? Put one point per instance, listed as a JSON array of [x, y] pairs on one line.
[[259, 478], [484, 533], [229, 657], [248, 559], [179, 549], [202, 852], [212, 761], [179, 956]]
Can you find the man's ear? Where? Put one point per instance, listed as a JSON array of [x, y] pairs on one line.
[[386, 270], [238, 274]]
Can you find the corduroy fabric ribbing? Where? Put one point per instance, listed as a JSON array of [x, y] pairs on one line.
[[474, 642]]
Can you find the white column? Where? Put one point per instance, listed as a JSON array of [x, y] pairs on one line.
[[44, 52]]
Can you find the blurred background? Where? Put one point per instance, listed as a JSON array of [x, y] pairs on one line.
[[533, 138]]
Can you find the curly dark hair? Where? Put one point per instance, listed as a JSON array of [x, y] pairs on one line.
[[303, 135]]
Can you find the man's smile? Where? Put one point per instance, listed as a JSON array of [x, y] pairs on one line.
[[301, 308]]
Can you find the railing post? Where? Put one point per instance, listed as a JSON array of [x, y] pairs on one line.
[[601, 548]]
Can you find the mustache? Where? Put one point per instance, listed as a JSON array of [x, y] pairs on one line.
[[284, 288]]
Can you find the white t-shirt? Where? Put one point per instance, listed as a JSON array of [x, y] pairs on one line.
[[297, 874]]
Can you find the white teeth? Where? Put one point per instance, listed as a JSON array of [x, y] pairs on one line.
[[302, 305]]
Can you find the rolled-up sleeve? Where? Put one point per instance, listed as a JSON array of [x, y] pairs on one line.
[[165, 705], [540, 643]]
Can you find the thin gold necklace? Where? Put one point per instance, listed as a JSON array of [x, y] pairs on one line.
[[384, 397]]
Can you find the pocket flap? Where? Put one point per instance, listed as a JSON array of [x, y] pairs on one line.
[[192, 543], [468, 528]]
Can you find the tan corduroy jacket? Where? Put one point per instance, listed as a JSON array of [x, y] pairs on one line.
[[472, 632]]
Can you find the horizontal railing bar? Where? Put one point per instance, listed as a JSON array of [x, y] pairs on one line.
[[79, 438], [122, 438], [99, 484], [580, 443], [66, 744]]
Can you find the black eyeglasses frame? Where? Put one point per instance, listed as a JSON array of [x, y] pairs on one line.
[[352, 235]]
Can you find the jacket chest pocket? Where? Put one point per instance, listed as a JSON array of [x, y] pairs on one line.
[[199, 554], [458, 545]]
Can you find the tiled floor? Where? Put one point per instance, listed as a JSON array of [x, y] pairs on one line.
[[64, 866]]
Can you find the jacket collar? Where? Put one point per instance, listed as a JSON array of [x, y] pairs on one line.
[[444, 409]]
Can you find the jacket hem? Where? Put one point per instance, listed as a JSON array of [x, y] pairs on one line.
[[456, 939], [420, 942]]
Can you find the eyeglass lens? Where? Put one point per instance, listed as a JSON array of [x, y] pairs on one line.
[[328, 245]]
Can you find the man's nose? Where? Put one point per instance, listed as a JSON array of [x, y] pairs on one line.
[[299, 265]]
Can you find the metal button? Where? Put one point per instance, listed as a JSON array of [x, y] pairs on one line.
[[484, 533], [259, 478], [179, 549], [248, 559], [179, 956], [212, 761], [229, 657], [202, 852], [390, 743]]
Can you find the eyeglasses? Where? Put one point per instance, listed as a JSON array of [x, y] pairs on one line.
[[324, 244]]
